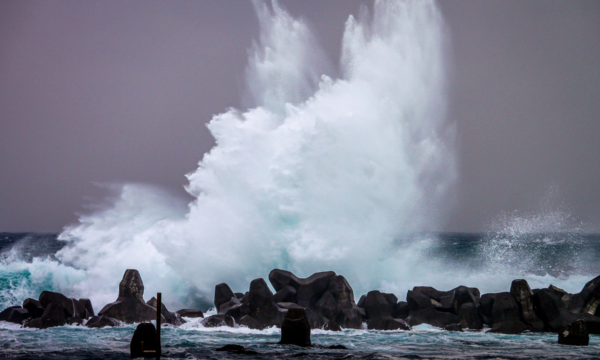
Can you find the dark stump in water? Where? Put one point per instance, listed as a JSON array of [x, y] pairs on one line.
[[574, 334], [295, 329], [144, 339]]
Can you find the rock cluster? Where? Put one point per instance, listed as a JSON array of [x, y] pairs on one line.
[[326, 301]]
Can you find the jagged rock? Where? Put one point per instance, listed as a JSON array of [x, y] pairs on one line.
[[223, 294], [486, 305], [469, 317], [239, 295], [79, 311], [432, 317], [349, 315], [401, 310], [190, 313], [236, 311], [327, 306], [87, 304], [576, 304], [308, 291], [101, 321], [226, 306], [130, 306], [249, 322], [144, 333], [170, 317], [430, 292], [18, 315], [462, 295], [295, 328], [523, 295], [316, 320], [331, 325], [590, 294], [218, 320], [54, 315], [362, 301], [506, 315], [262, 305], [564, 296], [551, 310], [6, 312], [46, 297], [34, 307], [377, 305], [287, 294], [418, 300], [575, 333]]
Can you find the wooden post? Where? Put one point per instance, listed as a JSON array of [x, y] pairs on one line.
[[158, 315]]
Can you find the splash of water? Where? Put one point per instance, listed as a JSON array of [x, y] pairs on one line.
[[320, 174]]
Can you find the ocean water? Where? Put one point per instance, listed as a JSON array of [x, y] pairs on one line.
[[193, 341]]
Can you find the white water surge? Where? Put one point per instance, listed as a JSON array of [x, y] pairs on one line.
[[319, 174]]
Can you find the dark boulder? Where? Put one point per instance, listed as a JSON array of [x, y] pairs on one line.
[[239, 295], [101, 321], [79, 310], [575, 333], [377, 305], [87, 304], [486, 305], [218, 320], [54, 315], [18, 315], [590, 294], [249, 322], [575, 304], [316, 320], [262, 305], [453, 327], [47, 297], [169, 317], [432, 317], [144, 339], [430, 292], [327, 306], [131, 286], [287, 294], [506, 315], [462, 295], [6, 312], [308, 291], [223, 294], [418, 300], [469, 317], [295, 329], [34, 307], [522, 294], [362, 301], [237, 349], [551, 310], [401, 310], [130, 306], [190, 313], [349, 315], [235, 310]]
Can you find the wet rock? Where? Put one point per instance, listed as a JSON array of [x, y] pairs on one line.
[[377, 305], [308, 291], [34, 307], [169, 317], [418, 300], [190, 313], [551, 310], [469, 317], [327, 306], [432, 317], [79, 310], [349, 315], [54, 315], [130, 306], [590, 294], [262, 305], [486, 305], [331, 325], [249, 322], [522, 294], [575, 333], [401, 310], [509, 327], [101, 321], [6, 312], [223, 294], [237, 349], [87, 304], [47, 297], [362, 301], [453, 327], [387, 323], [144, 339], [575, 304], [18, 315], [218, 320], [295, 329], [429, 292], [287, 294], [506, 315], [462, 295]]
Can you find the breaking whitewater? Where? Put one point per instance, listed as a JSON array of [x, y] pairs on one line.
[[346, 170]]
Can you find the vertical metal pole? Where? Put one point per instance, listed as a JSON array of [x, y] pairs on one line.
[[158, 308]]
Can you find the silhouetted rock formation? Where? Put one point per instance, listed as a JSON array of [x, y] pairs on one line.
[[130, 306], [295, 328]]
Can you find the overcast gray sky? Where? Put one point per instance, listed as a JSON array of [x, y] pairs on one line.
[[113, 91]]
